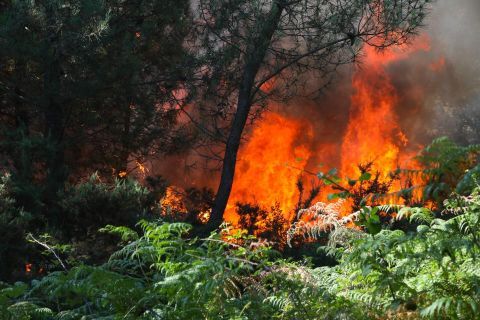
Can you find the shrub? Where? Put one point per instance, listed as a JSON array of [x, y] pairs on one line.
[[162, 275], [444, 164], [91, 205], [14, 222], [431, 272]]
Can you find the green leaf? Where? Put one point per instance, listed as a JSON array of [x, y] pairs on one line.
[[332, 172], [333, 196], [365, 176], [373, 226]]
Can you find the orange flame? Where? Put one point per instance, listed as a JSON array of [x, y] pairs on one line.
[[267, 166], [174, 200], [373, 134]]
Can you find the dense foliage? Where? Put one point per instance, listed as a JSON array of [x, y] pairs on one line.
[[430, 272], [86, 86], [82, 210], [92, 89]]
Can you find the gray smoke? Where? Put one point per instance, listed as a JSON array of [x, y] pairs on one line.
[[454, 27], [431, 104]]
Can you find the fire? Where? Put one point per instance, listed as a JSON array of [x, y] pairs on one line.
[[267, 165], [175, 205], [174, 200], [373, 133]]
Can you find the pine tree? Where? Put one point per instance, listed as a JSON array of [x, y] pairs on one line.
[[86, 85]]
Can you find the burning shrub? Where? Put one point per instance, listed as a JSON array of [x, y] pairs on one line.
[[441, 168], [192, 205], [266, 224]]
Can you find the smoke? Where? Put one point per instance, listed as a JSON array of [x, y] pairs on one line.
[[454, 27], [437, 87]]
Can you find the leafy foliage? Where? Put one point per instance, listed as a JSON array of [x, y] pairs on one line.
[[430, 272], [94, 204], [367, 188], [13, 223], [87, 85], [444, 163], [83, 209], [443, 167], [164, 276]]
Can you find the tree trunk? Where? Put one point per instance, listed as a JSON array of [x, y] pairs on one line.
[[56, 170], [121, 167], [257, 51], [54, 120]]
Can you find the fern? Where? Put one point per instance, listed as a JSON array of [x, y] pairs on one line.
[[416, 214], [431, 271]]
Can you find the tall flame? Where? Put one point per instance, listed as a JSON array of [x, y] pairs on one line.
[[373, 133], [267, 166]]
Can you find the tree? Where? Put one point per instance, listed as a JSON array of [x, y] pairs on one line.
[[248, 45], [86, 85]]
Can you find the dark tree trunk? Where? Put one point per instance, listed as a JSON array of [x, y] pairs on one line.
[[54, 120], [56, 170], [23, 158], [257, 51], [125, 143]]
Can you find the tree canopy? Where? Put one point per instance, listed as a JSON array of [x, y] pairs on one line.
[[87, 85], [244, 46]]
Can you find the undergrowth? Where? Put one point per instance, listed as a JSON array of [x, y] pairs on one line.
[[429, 269]]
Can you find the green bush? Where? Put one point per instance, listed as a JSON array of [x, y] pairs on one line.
[[431, 272], [162, 275], [428, 270], [83, 209], [444, 164], [13, 225], [88, 206]]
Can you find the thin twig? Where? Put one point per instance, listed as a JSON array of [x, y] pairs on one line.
[[48, 248]]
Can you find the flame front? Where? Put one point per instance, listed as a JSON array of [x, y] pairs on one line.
[[268, 164], [373, 133]]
